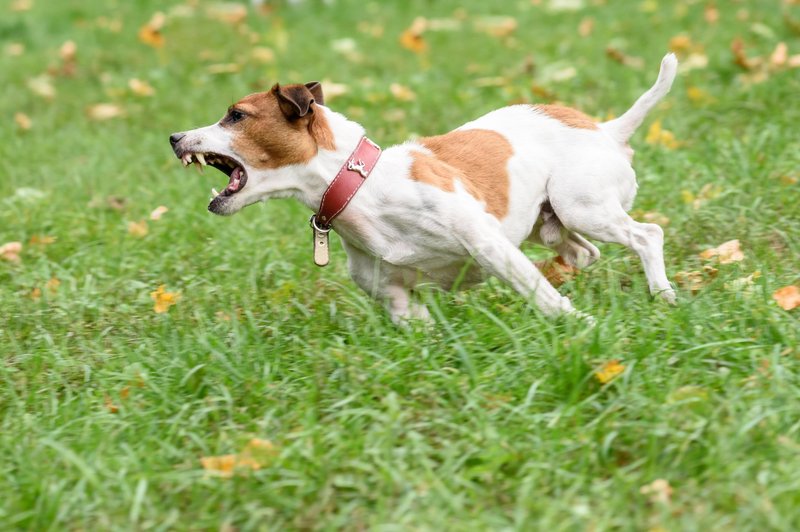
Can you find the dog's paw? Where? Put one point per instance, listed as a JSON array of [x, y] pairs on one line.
[[667, 295]]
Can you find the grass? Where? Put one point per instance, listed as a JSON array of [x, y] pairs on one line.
[[492, 418]]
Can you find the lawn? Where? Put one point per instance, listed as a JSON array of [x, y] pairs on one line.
[[494, 417]]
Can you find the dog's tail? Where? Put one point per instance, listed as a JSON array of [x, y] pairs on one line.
[[622, 128]]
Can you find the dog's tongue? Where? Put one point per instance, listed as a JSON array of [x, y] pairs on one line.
[[235, 180]]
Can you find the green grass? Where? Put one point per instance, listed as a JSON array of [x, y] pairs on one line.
[[490, 419]]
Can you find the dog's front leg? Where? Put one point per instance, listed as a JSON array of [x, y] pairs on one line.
[[486, 243], [384, 283]]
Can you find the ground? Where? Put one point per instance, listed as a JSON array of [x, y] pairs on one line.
[[493, 418]]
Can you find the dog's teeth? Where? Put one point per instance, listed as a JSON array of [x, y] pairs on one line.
[[198, 166], [214, 192], [201, 158]]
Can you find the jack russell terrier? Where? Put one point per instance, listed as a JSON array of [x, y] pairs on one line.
[[424, 210]]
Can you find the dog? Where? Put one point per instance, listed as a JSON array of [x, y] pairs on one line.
[[447, 209]]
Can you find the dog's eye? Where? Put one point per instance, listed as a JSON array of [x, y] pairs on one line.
[[234, 116]]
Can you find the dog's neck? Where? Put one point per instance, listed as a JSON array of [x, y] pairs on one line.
[[312, 179]]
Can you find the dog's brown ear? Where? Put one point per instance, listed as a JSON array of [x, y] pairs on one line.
[[295, 100], [316, 90]]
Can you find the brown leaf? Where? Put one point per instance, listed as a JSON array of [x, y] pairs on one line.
[[163, 299], [42, 86], [711, 14], [15, 49], [695, 280], [256, 454], [788, 297], [35, 294], [586, 27], [262, 54], [497, 26], [52, 285], [726, 252], [402, 93], [620, 57], [21, 5], [41, 240], [228, 12], [780, 55], [557, 271], [10, 251], [740, 57]]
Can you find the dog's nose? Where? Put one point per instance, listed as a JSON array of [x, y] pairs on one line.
[[176, 138]]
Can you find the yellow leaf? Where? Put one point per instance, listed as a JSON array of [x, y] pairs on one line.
[[787, 297], [52, 285], [680, 44], [158, 212], [711, 14], [780, 55], [698, 95], [10, 251], [104, 111], [402, 93], [262, 54], [150, 34], [15, 49], [411, 38], [68, 51], [695, 280], [255, 455], [586, 27], [223, 68], [658, 491], [726, 252], [21, 5], [163, 299], [140, 88], [23, 121], [497, 26], [42, 240], [609, 371], [624, 59], [36, 294], [656, 135], [138, 229], [743, 283], [42, 86]]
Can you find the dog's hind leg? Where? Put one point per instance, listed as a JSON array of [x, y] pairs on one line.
[[572, 247], [609, 222]]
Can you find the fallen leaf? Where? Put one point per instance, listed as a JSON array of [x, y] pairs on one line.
[[780, 55], [402, 93], [163, 299], [109, 404], [68, 51], [497, 26], [609, 371], [658, 491], [104, 111], [557, 271], [262, 54], [150, 34], [42, 86], [681, 44], [23, 121], [21, 5], [52, 285], [586, 27], [658, 136], [743, 283], [620, 57], [688, 394], [695, 280], [655, 217], [698, 96], [709, 191], [138, 229], [740, 56], [787, 297], [229, 12], [10, 251], [411, 38], [36, 294], [256, 454], [224, 68], [711, 14], [158, 212], [140, 88], [726, 252], [15, 49], [333, 90], [41, 240]]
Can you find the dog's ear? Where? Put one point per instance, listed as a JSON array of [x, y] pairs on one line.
[[295, 100], [316, 90]]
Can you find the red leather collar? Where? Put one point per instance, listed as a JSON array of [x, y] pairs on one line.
[[346, 183]]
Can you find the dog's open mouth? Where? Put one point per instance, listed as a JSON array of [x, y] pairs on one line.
[[237, 177]]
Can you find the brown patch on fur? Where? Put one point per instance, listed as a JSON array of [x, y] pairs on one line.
[[266, 139], [568, 116], [478, 158]]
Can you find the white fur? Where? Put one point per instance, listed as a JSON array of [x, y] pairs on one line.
[[398, 232]]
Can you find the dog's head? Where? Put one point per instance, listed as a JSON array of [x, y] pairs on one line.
[[258, 137]]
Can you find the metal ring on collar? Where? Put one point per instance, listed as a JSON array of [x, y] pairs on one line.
[[313, 222]]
